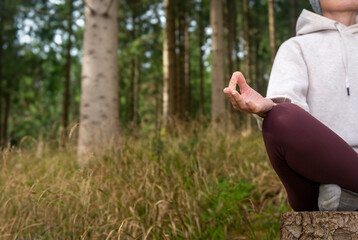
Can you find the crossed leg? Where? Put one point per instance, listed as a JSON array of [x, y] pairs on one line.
[[305, 153]]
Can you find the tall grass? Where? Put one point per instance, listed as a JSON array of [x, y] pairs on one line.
[[200, 185]]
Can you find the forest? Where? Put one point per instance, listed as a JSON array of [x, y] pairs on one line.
[[114, 125]]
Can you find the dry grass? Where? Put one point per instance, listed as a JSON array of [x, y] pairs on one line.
[[202, 185]]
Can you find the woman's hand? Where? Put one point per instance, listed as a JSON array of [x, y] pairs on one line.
[[249, 101]]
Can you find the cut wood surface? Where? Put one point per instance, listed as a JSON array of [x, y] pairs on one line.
[[319, 225]]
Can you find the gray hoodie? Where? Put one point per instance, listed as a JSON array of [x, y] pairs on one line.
[[318, 71]]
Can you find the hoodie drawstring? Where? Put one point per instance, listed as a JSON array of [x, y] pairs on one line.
[[344, 55]]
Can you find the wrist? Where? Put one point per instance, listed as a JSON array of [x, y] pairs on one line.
[[263, 114]]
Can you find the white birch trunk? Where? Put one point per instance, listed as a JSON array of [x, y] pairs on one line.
[[99, 113]]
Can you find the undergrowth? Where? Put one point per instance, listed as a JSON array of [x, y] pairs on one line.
[[200, 185]]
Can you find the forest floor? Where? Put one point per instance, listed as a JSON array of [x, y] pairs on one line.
[[201, 185]]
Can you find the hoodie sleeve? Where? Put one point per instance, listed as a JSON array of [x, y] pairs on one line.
[[289, 77]]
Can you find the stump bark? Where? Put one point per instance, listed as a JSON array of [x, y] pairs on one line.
[[319, 225]]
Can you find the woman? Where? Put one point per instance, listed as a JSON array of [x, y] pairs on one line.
[[310, 114]]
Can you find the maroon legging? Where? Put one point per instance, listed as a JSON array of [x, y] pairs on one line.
[[304, 153]]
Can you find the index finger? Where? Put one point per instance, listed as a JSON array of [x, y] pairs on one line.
[[234, 80]]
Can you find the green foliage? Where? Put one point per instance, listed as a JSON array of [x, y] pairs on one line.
[[33, 71], [222, 208]]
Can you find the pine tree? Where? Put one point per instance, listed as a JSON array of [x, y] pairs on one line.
[[218, 83], [99, 117]]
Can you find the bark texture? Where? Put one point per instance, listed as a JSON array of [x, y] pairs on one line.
[[99, 117], [319, 225], [218, 83]]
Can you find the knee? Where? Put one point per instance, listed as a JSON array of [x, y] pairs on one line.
[[281, 118]]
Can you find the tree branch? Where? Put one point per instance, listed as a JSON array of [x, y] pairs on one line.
[[108, 7], [91, 9]]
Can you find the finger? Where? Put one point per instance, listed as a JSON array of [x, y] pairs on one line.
[[227, 90], [229, 95], [241, 81], [241, 103], [233, 80]]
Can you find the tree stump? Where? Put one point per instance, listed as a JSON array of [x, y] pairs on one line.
[[319, 225]]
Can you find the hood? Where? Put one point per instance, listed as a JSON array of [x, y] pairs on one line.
[[310, 22]]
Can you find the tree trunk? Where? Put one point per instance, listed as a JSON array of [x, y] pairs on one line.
[[158, 87], [180, 96], [187, 88], [231, 25], [1, 75], [99, 116], [131, 90], [248, 56], [166, 77], [319, 225], [217, 85], [6, 119], [271, 17], [132, 72], [201, 61], [134, 84], [230, 37], [136, 93], [258, 76], [294, 15], [76, 103], [236, 47], [168, 62], [66, 93], [236, 60]]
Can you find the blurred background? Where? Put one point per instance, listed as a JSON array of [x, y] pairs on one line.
[[186, 165], [41, 57]]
